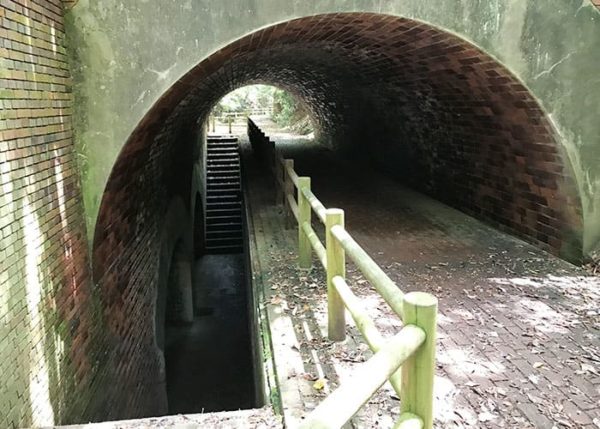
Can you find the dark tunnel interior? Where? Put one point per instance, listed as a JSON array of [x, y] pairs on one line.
[[416, 102]]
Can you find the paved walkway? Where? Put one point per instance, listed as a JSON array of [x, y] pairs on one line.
[[519, 330]]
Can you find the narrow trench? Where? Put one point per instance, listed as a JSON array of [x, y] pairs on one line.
[[209, 365]]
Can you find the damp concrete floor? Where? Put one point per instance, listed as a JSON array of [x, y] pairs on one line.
[[209, 362], [519, 329]]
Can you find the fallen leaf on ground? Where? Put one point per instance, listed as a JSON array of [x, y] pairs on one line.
[[320, 384]]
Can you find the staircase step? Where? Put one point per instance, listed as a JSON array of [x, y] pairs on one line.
[[212, 139], [223, 169], [224, 179], [223, 212], [222, 160], [222, 149], [221, 173], [223, 154], [234, 180], [224, 249], [224, 182], [224, 187], [223, 165], [222, 141], [225, 226], [222, 195], [226, 205], [225, 241], [232, 147], [215, 220], [233, 233], [226, 167], [221, 199]]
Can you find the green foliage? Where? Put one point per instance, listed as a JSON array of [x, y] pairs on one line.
[[288, 111], [285, 107], [245, 99]]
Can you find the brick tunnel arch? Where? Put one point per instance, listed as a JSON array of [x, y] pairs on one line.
[[421, 103]]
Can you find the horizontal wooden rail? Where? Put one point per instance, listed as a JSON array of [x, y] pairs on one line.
[[378, 278], [315, 243], [292, 174], [293, 205], [316, 205], [364, 324], [346, 400]]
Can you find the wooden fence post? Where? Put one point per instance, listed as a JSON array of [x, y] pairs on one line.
[[336, 266], [304, 216], [272, 162], [288, 189], [420, 309]]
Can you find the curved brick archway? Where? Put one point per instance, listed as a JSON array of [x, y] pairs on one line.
[[454, 118], [428, 107]]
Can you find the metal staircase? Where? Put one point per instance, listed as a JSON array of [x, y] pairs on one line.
[[224, 231]]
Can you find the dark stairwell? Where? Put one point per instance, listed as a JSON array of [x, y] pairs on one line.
[[209, 361], [223, 197]]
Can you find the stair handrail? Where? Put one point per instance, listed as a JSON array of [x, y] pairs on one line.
[[407, 360]]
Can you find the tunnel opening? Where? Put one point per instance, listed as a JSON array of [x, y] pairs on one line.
[[414, 101], [264, 102]]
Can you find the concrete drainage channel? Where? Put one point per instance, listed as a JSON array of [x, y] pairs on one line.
[[219, 369], [222, 350]]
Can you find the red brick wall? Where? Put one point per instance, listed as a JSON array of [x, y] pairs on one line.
[[127, 247], [49, 342]]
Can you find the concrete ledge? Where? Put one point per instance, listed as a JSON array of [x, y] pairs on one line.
[[262, 418]]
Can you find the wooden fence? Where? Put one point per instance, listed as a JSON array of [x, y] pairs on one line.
[[407, 359]]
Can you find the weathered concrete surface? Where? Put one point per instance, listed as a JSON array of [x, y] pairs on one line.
[[261, 418], [126, 54], [518, 329]]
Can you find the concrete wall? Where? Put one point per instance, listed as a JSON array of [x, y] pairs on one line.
[[72, 349], [119, 75]]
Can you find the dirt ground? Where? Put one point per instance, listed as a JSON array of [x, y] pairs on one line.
[[519, 330]]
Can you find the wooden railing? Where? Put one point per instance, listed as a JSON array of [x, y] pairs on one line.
[[407, 359], [229, 118]]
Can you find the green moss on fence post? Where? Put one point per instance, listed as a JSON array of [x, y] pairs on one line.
[[420, 309], [336, 266], [304, 216]]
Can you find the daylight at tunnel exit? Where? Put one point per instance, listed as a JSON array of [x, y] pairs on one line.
[[300, 214]]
